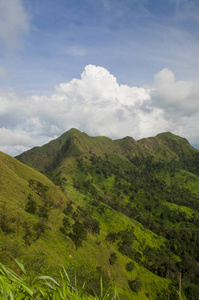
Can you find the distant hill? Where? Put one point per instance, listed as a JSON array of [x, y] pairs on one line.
[[129, 212]]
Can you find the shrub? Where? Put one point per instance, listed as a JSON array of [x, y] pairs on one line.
[[135, 284], [31, 205], [113, 258], [130, 266]]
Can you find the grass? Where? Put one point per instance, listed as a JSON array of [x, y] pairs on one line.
[[15, 287]]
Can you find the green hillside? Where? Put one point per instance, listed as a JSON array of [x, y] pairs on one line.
[[51, 248], [125, 210], [34, 236]]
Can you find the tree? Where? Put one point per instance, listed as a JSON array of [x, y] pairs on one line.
[[38, 187], [69, 208], [125, 244], [135, 284], [31, 205], [111, 237], [78, 235], [92, 225], [27, 235], [43, 212], [66, 226], [130, 266], [40, 228]]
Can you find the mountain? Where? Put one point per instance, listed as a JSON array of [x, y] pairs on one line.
[[36, 227], [129, 212], [60, 158]]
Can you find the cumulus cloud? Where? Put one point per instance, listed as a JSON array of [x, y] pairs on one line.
[[98, 105], [14, 23], [181, 97], [14, 141]]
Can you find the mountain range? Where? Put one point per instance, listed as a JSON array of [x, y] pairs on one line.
[[123, 210]]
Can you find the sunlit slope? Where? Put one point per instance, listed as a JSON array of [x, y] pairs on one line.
[[50, 249], [73, 143], [14, 181], [144, 194], [168, 146], [19, 186]]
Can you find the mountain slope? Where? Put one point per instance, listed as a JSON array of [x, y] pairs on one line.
[[152, 186], [71, 143], [22, 186], [22, 237], [75, 143]]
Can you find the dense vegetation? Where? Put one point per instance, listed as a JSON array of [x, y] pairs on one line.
[[126, 211]]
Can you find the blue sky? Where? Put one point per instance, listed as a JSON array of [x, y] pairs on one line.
[[148, 46]]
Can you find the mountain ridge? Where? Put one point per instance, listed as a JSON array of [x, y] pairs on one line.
[[136, 201], [75, 143]]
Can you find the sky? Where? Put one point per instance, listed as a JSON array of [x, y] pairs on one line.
[[106, 67]]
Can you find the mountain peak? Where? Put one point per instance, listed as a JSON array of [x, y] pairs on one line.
[[75, 143]]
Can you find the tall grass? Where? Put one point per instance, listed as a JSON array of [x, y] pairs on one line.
[[15, 287]]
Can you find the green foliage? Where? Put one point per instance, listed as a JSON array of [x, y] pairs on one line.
[[39, 187], [130, 266], [78, 234], [13, 286], [31, 205], [27, 234], [40, 228], [135, 284], [66, 222], [92, 225], [66, 226], [192, 291], [43, 212], [126, 241], [69, 208], [111, 237], [112, 258]]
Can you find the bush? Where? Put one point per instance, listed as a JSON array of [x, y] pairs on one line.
[[135, 285], [92, 225], [113, 258], [130, 266]]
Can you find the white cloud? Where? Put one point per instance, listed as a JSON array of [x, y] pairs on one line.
[[14, 141], [14, 23], [98, 105], [178, 98]]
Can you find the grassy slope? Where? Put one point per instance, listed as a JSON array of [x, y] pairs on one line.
[[52, 250], [14, 180], [70, 157]]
